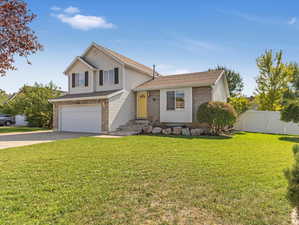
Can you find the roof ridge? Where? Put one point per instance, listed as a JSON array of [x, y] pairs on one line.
[[194, 79], [126, 59], [192, 73]]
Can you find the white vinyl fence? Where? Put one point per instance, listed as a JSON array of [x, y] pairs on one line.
[[265, 122]]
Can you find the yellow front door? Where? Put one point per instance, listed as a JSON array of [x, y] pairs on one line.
[[142, 105]]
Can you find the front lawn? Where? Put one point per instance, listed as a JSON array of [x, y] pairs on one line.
[[19, 129], [147, 180]]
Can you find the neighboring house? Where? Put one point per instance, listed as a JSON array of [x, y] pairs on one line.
[[107, 90]]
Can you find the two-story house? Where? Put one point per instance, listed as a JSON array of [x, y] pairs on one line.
[[107, 89]]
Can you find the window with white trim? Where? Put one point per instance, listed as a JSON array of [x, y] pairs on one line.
[[80, 79], [108, 77], [175, 100]]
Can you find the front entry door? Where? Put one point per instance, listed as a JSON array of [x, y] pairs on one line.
[[142, 105]]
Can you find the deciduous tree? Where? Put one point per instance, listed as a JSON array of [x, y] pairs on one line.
[[16, 37], [234, 80], [273, 80], [33, 101]]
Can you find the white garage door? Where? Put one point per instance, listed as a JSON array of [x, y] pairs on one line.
[[80, 118]]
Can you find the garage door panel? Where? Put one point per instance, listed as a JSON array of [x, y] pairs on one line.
[[80, 118]]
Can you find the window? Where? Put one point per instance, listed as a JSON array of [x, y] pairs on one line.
[[80, 79], [109, 77], [179, 100], [170, 105], [175, 100]]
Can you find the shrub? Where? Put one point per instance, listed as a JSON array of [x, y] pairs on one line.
[[290, 113], [240, 104], [218, 115], [292, 175]]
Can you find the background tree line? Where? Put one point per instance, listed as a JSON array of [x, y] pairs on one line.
[[33, 102]]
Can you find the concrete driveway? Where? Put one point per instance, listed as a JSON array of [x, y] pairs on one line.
[[9, 140]]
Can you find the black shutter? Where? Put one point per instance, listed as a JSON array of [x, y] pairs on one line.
[[101, 77], [116, 77], [73, 80], [86, 79]]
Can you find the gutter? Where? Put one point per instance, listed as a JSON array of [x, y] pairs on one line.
[[170, 87], [86, 98]]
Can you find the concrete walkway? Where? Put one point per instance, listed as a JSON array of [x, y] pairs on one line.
[[9, 140]]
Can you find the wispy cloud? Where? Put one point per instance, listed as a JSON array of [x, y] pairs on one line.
[[55, 8], [170, 69], [195, 45], [78, 21], [292, 21], [252, 17], [72, 10], [259, 19]]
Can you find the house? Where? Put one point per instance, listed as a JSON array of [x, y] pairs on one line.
[[107, 90]]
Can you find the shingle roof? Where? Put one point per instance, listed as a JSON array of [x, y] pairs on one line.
[[85, 95], [84, 60], [128, 61], [182, 80]]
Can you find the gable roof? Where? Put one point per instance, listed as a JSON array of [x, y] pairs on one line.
[[82, 60], [122, 59], [198, 79]]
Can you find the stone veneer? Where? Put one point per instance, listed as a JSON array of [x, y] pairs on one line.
[[199, 95], [153, 106], [104, 111]]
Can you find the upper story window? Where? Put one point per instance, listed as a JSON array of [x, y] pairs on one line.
[[175, 100], [109, 77], [80, 79]]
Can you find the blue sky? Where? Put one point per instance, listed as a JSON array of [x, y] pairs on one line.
[[177, 36]]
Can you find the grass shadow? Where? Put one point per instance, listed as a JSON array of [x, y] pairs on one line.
[[290, 139]]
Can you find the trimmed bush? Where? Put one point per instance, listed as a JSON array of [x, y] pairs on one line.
[[292, 175], [218, 115]]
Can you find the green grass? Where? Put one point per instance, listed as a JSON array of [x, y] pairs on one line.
[[147, 180], [19, 129]]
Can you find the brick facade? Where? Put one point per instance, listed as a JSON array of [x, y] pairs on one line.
[[104, 111]]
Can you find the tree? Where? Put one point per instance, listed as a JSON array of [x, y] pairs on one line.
[[218, 115], [292, 176], [16, 37], [234, 80], [33, 102], [3, 97], [273, 80], [290, 111], [241, 104]]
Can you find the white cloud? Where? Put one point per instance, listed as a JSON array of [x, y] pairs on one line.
[[55, 8], [71, 10], [85, 23], [292, 21]]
